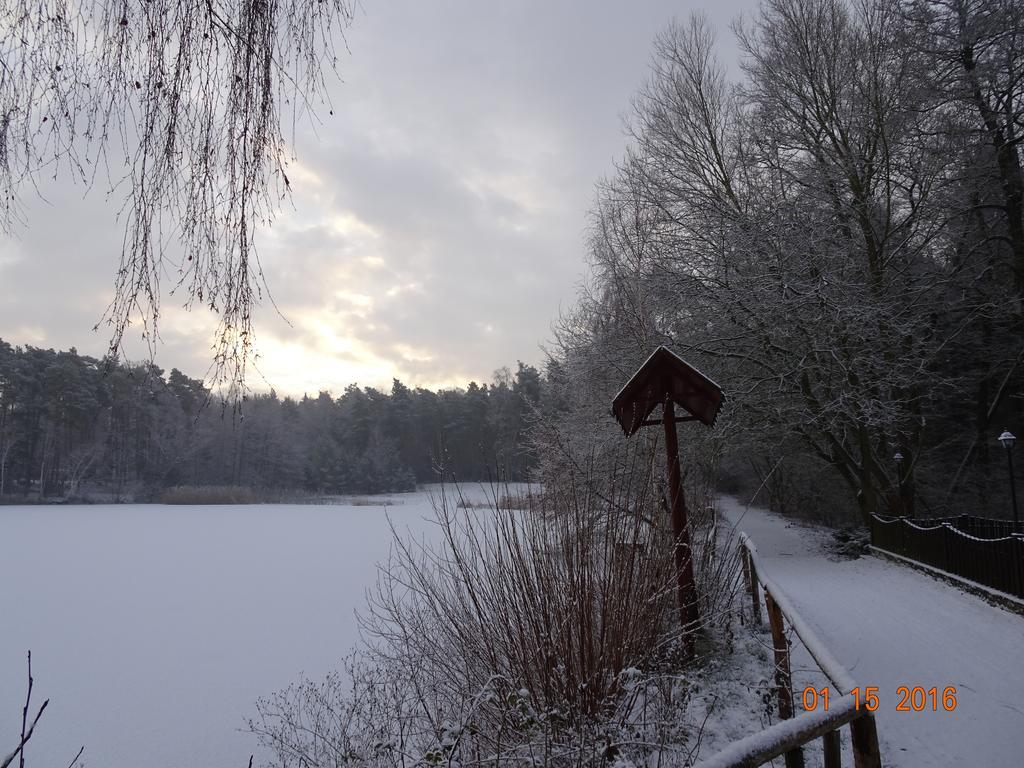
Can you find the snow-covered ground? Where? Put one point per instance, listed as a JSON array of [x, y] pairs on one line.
[[153, 629], [892, 626]]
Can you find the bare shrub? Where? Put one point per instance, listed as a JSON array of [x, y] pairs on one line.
[[717, 567], [208, 494], [475, 504], [509, 498], [521, 499], [363, 501], [243, 494], [558, 598], [28, 727], [540, 635], [355, 715]]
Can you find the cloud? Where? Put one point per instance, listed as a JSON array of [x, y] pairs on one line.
[[438, 216]]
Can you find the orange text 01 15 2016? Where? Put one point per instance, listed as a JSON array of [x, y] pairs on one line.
[[915, 698]]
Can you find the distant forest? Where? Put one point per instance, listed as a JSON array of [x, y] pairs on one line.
[[74, 427]]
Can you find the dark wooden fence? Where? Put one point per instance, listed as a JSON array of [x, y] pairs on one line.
[[788, 736], [981, 527], [984, 551]]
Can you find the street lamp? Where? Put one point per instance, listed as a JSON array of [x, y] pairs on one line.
[[898, 458], [1007, 439]]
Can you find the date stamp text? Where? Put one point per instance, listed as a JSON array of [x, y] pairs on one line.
[[908, 698]]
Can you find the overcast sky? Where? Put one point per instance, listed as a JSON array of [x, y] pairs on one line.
[[439, 216]]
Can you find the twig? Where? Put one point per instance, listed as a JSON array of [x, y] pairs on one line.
[[765, 481], [82, 749], [26, 733], [24, 711]]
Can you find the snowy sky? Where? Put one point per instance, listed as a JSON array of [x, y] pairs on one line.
[[439, 215]]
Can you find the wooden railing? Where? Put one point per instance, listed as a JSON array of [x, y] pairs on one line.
[[788, 736]]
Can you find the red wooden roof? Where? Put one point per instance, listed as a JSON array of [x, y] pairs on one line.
[[665, 374]]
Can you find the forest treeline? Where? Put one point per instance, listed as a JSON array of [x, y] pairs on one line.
[[73, 426]]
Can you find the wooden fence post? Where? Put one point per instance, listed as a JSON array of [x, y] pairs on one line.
[[750, 571], [830, 748], [783, 677], [1018, 539], [865, 742]]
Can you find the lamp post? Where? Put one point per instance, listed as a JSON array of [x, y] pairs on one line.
[[1007, 439], [898, 458]]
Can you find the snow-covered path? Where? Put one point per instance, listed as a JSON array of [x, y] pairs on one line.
[[891, 625]]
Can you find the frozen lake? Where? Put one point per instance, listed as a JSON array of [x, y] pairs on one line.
[[154, 628]]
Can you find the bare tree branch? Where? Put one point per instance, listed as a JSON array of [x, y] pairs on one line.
[[27, 729]]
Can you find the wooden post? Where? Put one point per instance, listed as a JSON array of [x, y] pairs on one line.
[[688, 612], [783, 677], [830, 748], [750, 573], [745, 562], [865, 742]]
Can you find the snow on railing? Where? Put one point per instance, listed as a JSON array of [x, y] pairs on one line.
[[912, 524], [992, 563], [828, 663], [785, 736], [997, 528], [788, 736], [958, 532]]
